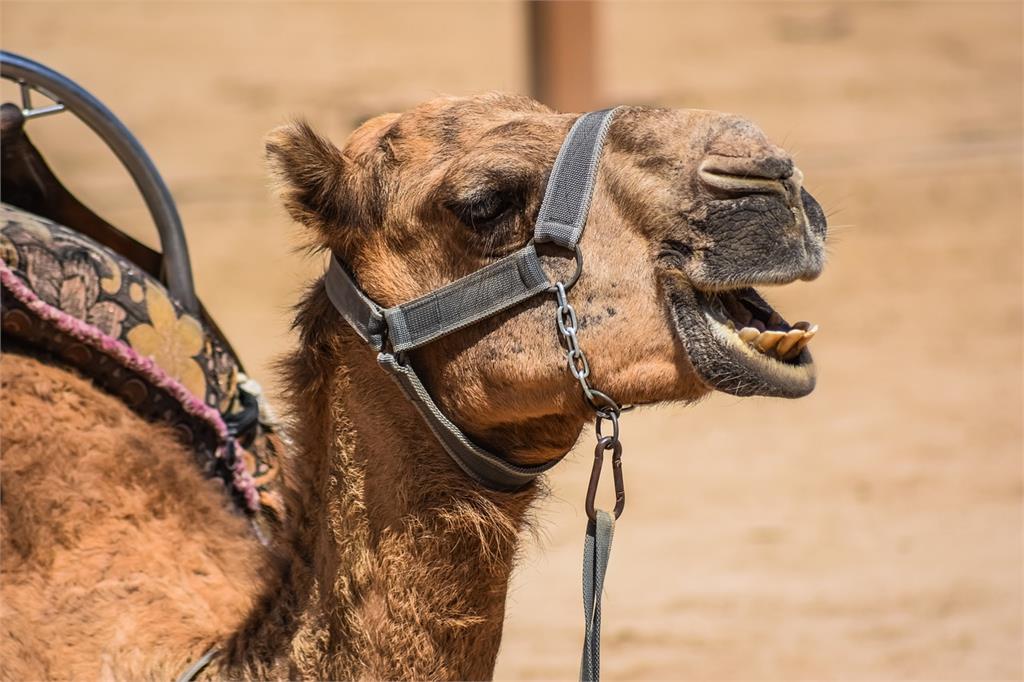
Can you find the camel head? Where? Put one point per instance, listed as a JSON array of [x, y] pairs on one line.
[[691, 211]]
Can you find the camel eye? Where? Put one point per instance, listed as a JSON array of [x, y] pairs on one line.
[[484, 210]]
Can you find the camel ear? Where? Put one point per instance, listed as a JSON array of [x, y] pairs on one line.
[[311, 173]]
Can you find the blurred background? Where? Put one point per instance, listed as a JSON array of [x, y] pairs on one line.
[[870, 531]]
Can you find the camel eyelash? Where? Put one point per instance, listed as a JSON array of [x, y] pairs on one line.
[[487, 208]]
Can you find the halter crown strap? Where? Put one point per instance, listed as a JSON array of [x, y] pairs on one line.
[[563, 213], [496, 287]]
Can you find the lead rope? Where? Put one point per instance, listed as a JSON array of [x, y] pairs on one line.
[[596, 549], [597, 544]]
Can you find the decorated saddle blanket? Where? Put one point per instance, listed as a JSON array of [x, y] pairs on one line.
[[93, 309]]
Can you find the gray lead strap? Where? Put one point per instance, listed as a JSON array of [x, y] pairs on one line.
[[597, 549]]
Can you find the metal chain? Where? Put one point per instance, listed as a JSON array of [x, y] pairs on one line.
[[604, 406], [576, 359]]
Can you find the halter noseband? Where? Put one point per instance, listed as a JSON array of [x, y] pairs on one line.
[[481, 294]]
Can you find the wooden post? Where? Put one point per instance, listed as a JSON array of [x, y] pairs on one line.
[[562, 53]]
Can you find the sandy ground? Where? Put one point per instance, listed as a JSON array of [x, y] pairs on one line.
[[871, 531]]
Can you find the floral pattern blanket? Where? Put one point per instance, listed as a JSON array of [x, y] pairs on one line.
[[92, 309]]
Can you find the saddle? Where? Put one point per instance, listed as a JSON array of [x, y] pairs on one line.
[[81, 293]]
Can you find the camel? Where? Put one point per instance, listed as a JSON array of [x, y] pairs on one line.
[[120, 561]]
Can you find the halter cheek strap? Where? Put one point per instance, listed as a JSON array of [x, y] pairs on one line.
[[490, 290]]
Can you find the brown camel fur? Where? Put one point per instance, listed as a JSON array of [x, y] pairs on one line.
[[119, 561]]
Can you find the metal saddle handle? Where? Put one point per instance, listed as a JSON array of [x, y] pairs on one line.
[[68, 95]]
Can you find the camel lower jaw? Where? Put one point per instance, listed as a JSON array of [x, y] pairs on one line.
[[738, 344]]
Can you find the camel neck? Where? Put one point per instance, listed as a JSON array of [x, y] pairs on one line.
[[395, 564]]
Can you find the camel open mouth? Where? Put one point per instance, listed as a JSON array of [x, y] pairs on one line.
[[739, 344], [744, 313]]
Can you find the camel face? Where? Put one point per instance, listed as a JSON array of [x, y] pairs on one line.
[[691, 210]]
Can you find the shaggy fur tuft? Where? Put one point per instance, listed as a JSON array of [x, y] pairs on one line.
[[119, 559]]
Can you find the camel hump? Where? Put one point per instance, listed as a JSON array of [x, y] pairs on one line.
[[89, 307]]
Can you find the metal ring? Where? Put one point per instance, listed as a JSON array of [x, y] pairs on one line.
[[613, 417], [565, 286], [602, 402], [579, 268]]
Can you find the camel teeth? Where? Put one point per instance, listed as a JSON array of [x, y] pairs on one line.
[[768, 340], [808, 335], [748, 334], [787, 342], [802, 343]]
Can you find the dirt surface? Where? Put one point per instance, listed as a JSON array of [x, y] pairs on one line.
[[871, 531]]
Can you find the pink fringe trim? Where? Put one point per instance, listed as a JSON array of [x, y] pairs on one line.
[[129, 358]]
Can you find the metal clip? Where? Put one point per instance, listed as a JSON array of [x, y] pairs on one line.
[[606, 443]]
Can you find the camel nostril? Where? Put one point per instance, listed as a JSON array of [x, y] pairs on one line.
[[738, 176], [772, 167], [737, 184]]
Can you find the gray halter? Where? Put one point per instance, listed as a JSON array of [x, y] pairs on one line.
[[500, 285]]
